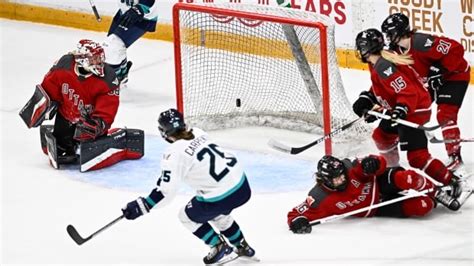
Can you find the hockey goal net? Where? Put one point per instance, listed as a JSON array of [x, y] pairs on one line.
[[242, 65]]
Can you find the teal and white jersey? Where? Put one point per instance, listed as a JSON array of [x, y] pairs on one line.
[[208, 168], [150, 7]]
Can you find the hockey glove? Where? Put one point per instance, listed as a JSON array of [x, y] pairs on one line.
[[300, 225], [435, 78], [399, 112], [370, 165], [365, 102], [135, 209], [89, 128], [131, 16]]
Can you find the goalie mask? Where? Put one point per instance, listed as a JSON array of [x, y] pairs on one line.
[[170, 122], [368, 42], [395, 27], [332, 172], [90, 56]]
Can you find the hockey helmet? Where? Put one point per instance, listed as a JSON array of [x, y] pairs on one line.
[[369, 41], [330, 168], [395, 27], [170, 122], [90, 56]]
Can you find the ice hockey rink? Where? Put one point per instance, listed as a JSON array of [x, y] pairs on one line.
[[38, 202]]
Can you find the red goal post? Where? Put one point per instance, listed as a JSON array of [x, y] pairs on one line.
[[225, 53]]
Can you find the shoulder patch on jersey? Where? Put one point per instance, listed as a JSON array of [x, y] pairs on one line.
[[315, 196], [64, 62], [385, 68], [110, 78], [423, 42]]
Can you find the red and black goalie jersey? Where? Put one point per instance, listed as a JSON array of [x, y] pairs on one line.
[[98, 95]]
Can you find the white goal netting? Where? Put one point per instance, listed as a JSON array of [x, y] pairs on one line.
[[258, 65]]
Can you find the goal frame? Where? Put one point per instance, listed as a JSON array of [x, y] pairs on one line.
[[253, 16]]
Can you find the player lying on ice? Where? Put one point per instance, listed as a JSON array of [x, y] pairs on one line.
[[220, 183], [343, 186], [83, 93]]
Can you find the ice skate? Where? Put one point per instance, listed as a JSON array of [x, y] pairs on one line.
[[454, 162], [244, 251], [218, 252], [447, 200]]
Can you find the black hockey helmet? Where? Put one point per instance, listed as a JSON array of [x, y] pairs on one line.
[[329, 168], [395, 27], [369, 41], [170, 122]]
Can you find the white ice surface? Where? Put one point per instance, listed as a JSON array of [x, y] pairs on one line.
[[38, 202]]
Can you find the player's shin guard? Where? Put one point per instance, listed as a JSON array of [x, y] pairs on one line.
[[118, 145], [446, 113], [410, 179], [203, 231], [419, 206], [387, 144], [422, 160]]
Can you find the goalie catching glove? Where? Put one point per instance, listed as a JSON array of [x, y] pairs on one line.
[[136, 208], [88, 128]]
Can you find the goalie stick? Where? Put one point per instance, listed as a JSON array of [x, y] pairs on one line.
[[94, 9], [405, 122], [71, 230], [295, 150], [410, 194]]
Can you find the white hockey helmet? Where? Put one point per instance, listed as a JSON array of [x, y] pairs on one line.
[[90, 56]]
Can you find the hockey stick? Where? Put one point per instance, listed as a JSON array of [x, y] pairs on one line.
[[434, 139], [405, 122], [71, 230], [295, 150], [94, 9], [411, 194]]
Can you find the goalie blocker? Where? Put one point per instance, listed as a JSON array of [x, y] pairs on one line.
[[119, 144], [38, 108]]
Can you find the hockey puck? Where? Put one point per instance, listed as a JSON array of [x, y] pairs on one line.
[[237, 102]]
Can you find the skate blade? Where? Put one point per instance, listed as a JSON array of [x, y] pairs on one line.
[[230, 259]]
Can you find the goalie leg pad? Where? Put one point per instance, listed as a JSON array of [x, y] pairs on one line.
[[43, 130], [118, 145], [52, 150]]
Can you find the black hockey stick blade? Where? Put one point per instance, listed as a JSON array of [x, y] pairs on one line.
[[71, 230], [295, 150], [80, 240]]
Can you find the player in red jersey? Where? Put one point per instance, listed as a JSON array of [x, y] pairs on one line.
[[84, 91], [396, 87], [440, 62], [343, 186]]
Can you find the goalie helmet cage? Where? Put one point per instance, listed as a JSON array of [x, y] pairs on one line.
[[253, 65]]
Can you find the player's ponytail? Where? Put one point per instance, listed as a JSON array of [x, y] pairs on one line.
[[399, 59]]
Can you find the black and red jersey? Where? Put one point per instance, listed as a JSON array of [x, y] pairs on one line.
[[428, 50], [98, 95]]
